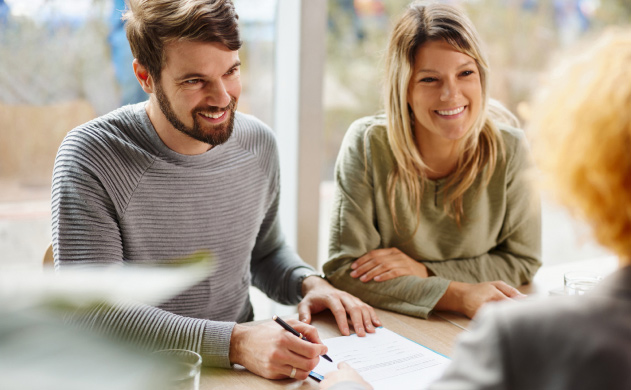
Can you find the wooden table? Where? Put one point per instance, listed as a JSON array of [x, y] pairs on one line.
[[435, 333], [438, 332]]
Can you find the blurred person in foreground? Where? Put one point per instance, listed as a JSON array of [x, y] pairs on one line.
[[431, 210], [185, 172], [583, 126]]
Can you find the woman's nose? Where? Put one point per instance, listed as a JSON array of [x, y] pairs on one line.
[[450, 89]]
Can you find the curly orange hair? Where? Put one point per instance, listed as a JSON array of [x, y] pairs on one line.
[[583, 138]]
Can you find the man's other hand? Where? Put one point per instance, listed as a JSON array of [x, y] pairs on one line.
[[320, 295]]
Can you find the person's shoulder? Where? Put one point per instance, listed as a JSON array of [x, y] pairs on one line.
[[112, 137], [516, 146], [258, 140], [553, 340], [246, 125], [252, 133], [369, 130], [110, 128], [372, 126], [546, 318], [513, 137]]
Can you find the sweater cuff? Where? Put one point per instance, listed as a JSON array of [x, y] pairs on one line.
[[215, 349], [296, 281], [439, 287]]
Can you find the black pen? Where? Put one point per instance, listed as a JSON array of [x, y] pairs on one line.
[[295, 332]]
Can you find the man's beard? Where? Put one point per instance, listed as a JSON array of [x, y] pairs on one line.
[[217, 135]]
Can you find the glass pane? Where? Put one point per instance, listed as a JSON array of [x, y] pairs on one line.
[[256, 20], [55, 73]]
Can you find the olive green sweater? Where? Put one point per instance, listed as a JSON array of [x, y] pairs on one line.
[[499, 237]]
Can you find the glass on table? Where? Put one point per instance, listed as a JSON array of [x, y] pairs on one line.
[[579, 282], [183, 368]]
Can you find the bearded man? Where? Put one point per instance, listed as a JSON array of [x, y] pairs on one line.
[[184, 172]]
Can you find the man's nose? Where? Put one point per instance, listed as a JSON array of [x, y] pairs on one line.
[[217, 95]]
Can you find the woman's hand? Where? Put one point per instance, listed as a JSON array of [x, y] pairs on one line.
[[467, 298], [345, 373], [386, 264]]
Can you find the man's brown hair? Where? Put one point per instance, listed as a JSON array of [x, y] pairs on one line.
[[152, 24]]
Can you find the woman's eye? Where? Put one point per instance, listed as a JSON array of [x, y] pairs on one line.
[[427, 80], [467, 73]]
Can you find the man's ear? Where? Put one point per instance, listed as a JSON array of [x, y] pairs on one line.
[[143, 76]]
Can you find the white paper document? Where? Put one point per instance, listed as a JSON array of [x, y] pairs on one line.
[[385, 359]]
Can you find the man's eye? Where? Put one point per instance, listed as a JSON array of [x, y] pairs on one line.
[[192, 82]]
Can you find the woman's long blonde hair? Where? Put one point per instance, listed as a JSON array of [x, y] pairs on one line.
[[421, 23]]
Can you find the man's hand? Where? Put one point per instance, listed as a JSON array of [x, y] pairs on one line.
[[467, 298], [320, 295], [345, 373], [270, 351], [386, 264]]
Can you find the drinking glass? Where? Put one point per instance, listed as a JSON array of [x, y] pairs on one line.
[[579, 282], [183, 370]]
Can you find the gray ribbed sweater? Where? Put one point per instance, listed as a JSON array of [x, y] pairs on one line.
[[120, 195]]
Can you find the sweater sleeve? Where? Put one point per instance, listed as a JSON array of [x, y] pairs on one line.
[[154, 329], [354, 233], [275, 266], [86, 232], [478, 358], [517, 257], [84, 216]]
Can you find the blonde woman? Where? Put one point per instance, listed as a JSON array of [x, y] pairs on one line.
[[573, 343], [431, 210]]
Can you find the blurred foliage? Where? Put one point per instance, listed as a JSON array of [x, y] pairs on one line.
[[521, 38], [54, 57]]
